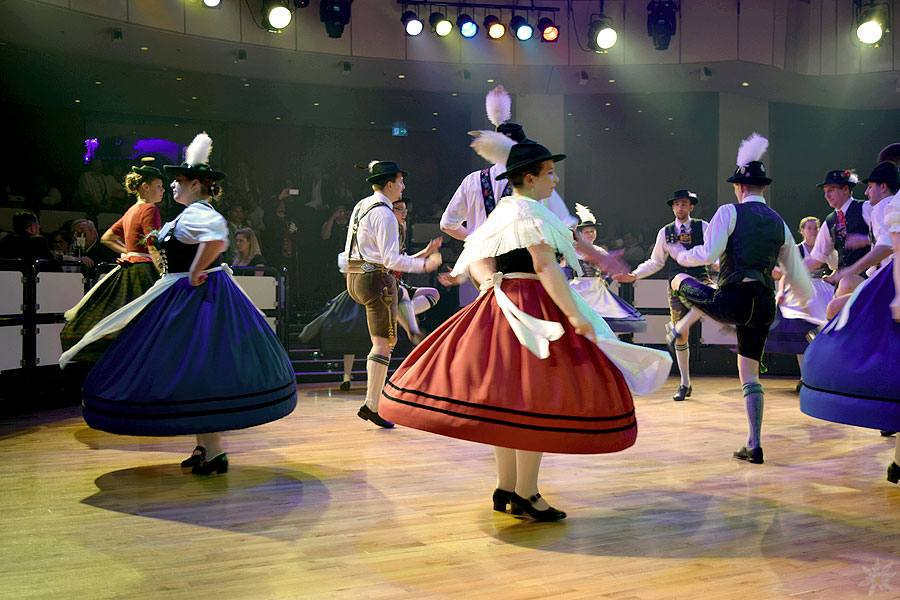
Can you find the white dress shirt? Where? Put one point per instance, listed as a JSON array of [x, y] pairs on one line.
[[467, 204], [721, 226], [823, 250], [659, 255], [378, 237]]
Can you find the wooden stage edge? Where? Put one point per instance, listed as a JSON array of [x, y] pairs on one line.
[[322, 505]]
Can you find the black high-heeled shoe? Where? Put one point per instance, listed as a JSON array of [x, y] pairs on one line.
[[521, 504], [219, 464], [893, 473], [501, 500], [195, 460]]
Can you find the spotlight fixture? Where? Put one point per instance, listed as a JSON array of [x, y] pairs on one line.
[[411, 23], [494, 27], [549, 31], [276, 15], [335, 14], [520, 27], [601, 35], [873, 20], [212, 3], [661, 22], [442, 27], [468, 28]]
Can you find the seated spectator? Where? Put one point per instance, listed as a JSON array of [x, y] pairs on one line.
[[26, 242], [97, 191], [87, 243], [254, 214], [61, 242], [234, 217], [247, 250]]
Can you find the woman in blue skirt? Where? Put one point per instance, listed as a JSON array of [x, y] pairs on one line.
[[851, 370], [193, 355]]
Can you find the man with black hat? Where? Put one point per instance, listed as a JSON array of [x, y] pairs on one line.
[[373, 253], [688, 233], [844, 239], [881, 185], [748, 239]]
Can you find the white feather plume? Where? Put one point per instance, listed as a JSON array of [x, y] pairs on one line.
[[752, 149], [491, 146], [498, 105], [372, 164], [853, 177], [198, 152], [584, 213]]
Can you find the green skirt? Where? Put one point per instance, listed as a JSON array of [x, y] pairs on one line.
[[111, 294]]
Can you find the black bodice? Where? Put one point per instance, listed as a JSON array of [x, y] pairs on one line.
[[516, 261], [176, 256]]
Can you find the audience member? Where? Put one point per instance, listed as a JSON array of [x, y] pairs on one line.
[[247, 253], [84, 229], [254, 213], [97, 191], [26, 242]]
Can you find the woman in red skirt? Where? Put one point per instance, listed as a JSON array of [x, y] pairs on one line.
[[528, 367]]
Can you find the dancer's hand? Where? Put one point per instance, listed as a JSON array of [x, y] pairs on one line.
[[614, 264], [835, 278], [448, 280], [433, 262], [198, 278], [581, 325], [895, 308], [779, 298], [625, 277], [856, 240], [433, 245]]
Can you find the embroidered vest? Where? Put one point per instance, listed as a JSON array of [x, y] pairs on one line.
[[688, 240]]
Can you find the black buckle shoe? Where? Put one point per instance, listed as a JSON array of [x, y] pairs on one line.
[[501, 499], [518, 503], [219, 464], [886, 433], [367, 414], [195, 460], [893, 473], [751, 455], [684, 391], [345, 386]]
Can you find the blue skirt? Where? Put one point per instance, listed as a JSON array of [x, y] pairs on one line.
[[340, 328], [852, 375], [788, 336], [195, 360]]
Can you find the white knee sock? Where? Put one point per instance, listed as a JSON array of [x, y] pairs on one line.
[[423, 302], [506, 468], [348, 366], [897, 451], [683, 358], [376, 370], [407, 317], [212, 442]]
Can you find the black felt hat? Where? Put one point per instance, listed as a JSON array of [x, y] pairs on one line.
[[379, 170], [148, 171], [513, 131], [678, 194], [754, 173], [840, 177], [885, 172], [525, 154]]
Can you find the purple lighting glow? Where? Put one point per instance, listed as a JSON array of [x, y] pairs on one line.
[[90, 146]]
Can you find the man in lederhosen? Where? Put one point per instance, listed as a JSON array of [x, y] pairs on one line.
[[689, 233], [373, 253], [748, 239]]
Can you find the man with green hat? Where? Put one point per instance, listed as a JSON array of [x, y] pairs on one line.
[[373, 254], [688, 233]]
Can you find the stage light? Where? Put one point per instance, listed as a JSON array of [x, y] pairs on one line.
[[440, 24], [521, 28], [468, 28], [276, 14], [601, 35], [549, 31], [494, 27], [661, 22], [411, 23], [873, 21], [335, 14], [212, 3]]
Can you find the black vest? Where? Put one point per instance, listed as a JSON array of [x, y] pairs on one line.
[[177, 256], [672, 266], [855, 224], [752, 248]]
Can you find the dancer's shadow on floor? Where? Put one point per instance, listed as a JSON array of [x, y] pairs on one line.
[[248, 439], [674, 524], [273, 502]]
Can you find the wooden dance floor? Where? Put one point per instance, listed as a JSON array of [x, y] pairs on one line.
[[323, 505]]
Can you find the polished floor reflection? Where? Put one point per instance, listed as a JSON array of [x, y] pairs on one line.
[[324, 505]]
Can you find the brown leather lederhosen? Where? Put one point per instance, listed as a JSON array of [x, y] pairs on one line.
[[373, 286]]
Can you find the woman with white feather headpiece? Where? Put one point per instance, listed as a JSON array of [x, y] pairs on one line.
[[620, 315], [207, 360], [748, 239], [528, 359]]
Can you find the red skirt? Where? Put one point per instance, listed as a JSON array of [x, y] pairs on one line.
[[472, 379]]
